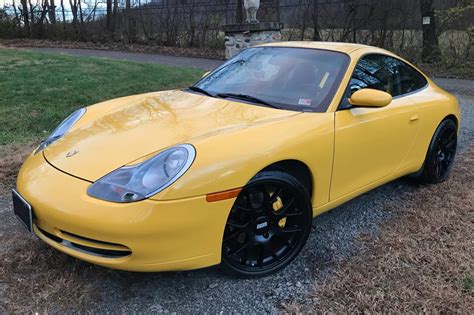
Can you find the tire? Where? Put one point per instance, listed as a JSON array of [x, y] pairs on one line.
[[268, 225], [440, 156]]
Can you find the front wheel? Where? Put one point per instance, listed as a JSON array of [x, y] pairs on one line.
[[441, 153], [268, 225]]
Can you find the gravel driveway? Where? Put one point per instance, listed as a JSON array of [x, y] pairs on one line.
[[204, 64], [210, 290]]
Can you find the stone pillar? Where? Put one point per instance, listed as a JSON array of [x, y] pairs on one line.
[[241, 36]]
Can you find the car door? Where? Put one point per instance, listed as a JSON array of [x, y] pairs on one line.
[[372, 143]]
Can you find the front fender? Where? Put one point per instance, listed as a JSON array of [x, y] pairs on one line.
[[228, 161]]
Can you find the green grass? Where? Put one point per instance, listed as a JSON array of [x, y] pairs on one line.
[[468, 283], [39, 90]]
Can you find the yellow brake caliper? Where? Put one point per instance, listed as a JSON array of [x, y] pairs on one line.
[[277, 206]]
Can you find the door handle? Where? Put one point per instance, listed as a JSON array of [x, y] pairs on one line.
[[414, 118]]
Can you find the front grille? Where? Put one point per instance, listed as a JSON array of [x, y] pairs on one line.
[[95, 251], [88, 239], [51, 236], [102, 252]]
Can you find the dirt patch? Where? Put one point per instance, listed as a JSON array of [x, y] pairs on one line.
[[11, 158], [421, 260], [28, 268], [25, 289], [163, 50]]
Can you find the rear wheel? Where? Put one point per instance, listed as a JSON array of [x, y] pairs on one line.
[[268, 225], [441, 153]]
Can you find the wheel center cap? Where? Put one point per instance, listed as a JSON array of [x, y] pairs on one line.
[[261, 224]]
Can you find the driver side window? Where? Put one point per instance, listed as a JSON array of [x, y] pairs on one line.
[[377, 72], [386, 74]]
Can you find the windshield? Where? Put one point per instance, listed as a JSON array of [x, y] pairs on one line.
[[291, 78]]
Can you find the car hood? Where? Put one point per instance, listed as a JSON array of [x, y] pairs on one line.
[[121, 131]]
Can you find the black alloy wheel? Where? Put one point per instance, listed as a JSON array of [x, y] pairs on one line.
[[441, 153], [268, 225]]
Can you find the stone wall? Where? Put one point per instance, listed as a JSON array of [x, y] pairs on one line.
[[242, 36], [235, 42]]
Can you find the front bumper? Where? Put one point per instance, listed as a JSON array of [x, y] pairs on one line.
[[148, 235]]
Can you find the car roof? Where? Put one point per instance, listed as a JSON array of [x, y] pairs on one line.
[[334, 46]]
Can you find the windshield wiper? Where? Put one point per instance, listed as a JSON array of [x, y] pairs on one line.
[[246, 97], [199, 90]]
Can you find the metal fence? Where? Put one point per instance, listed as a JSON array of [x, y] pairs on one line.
[[394, 24]]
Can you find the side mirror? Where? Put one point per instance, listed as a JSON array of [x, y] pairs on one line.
[[205, 74], [370, 98]]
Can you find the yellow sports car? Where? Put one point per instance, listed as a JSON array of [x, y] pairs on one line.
[[232, 169]]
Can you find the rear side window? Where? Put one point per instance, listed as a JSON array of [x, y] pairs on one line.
[[386, 74], [410, 79]]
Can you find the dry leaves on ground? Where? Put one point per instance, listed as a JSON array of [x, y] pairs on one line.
[[421, 260], [11, 158]]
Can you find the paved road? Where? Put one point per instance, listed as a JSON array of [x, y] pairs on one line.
[[209, 290], [204, 64]]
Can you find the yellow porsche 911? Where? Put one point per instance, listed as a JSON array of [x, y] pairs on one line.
[[232, 170]]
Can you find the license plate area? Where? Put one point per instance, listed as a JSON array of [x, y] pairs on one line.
[[23, 211]]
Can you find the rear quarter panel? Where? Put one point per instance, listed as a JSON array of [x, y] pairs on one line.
[[434, 105]]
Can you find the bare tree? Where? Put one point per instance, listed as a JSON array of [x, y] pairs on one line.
[[109, 15], [316, 35], [64, 15], [128, 27], [17, 16], [24, 13], [430, 51], [115, 16], [52, 12], [73, 4], [32, 15]]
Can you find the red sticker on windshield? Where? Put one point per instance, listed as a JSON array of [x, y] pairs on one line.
[[304, 101]]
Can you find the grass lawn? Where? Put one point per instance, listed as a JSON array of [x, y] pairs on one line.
[[39, 90]]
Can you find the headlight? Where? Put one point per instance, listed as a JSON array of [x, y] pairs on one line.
[[62, 129], [137, 182]]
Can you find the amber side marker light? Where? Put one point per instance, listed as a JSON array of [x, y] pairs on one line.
[[222, 195]]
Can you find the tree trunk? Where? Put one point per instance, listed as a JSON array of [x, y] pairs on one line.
[[430, 52], [240, 12], [316, 35], [32, 14], [44, 13], [17, 17], [128, 24], [109, 15], [73, 4], [81, 19], [64, 16], [278, 13], [26, 18], [52, 12], [115, 17], [142, 20]]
